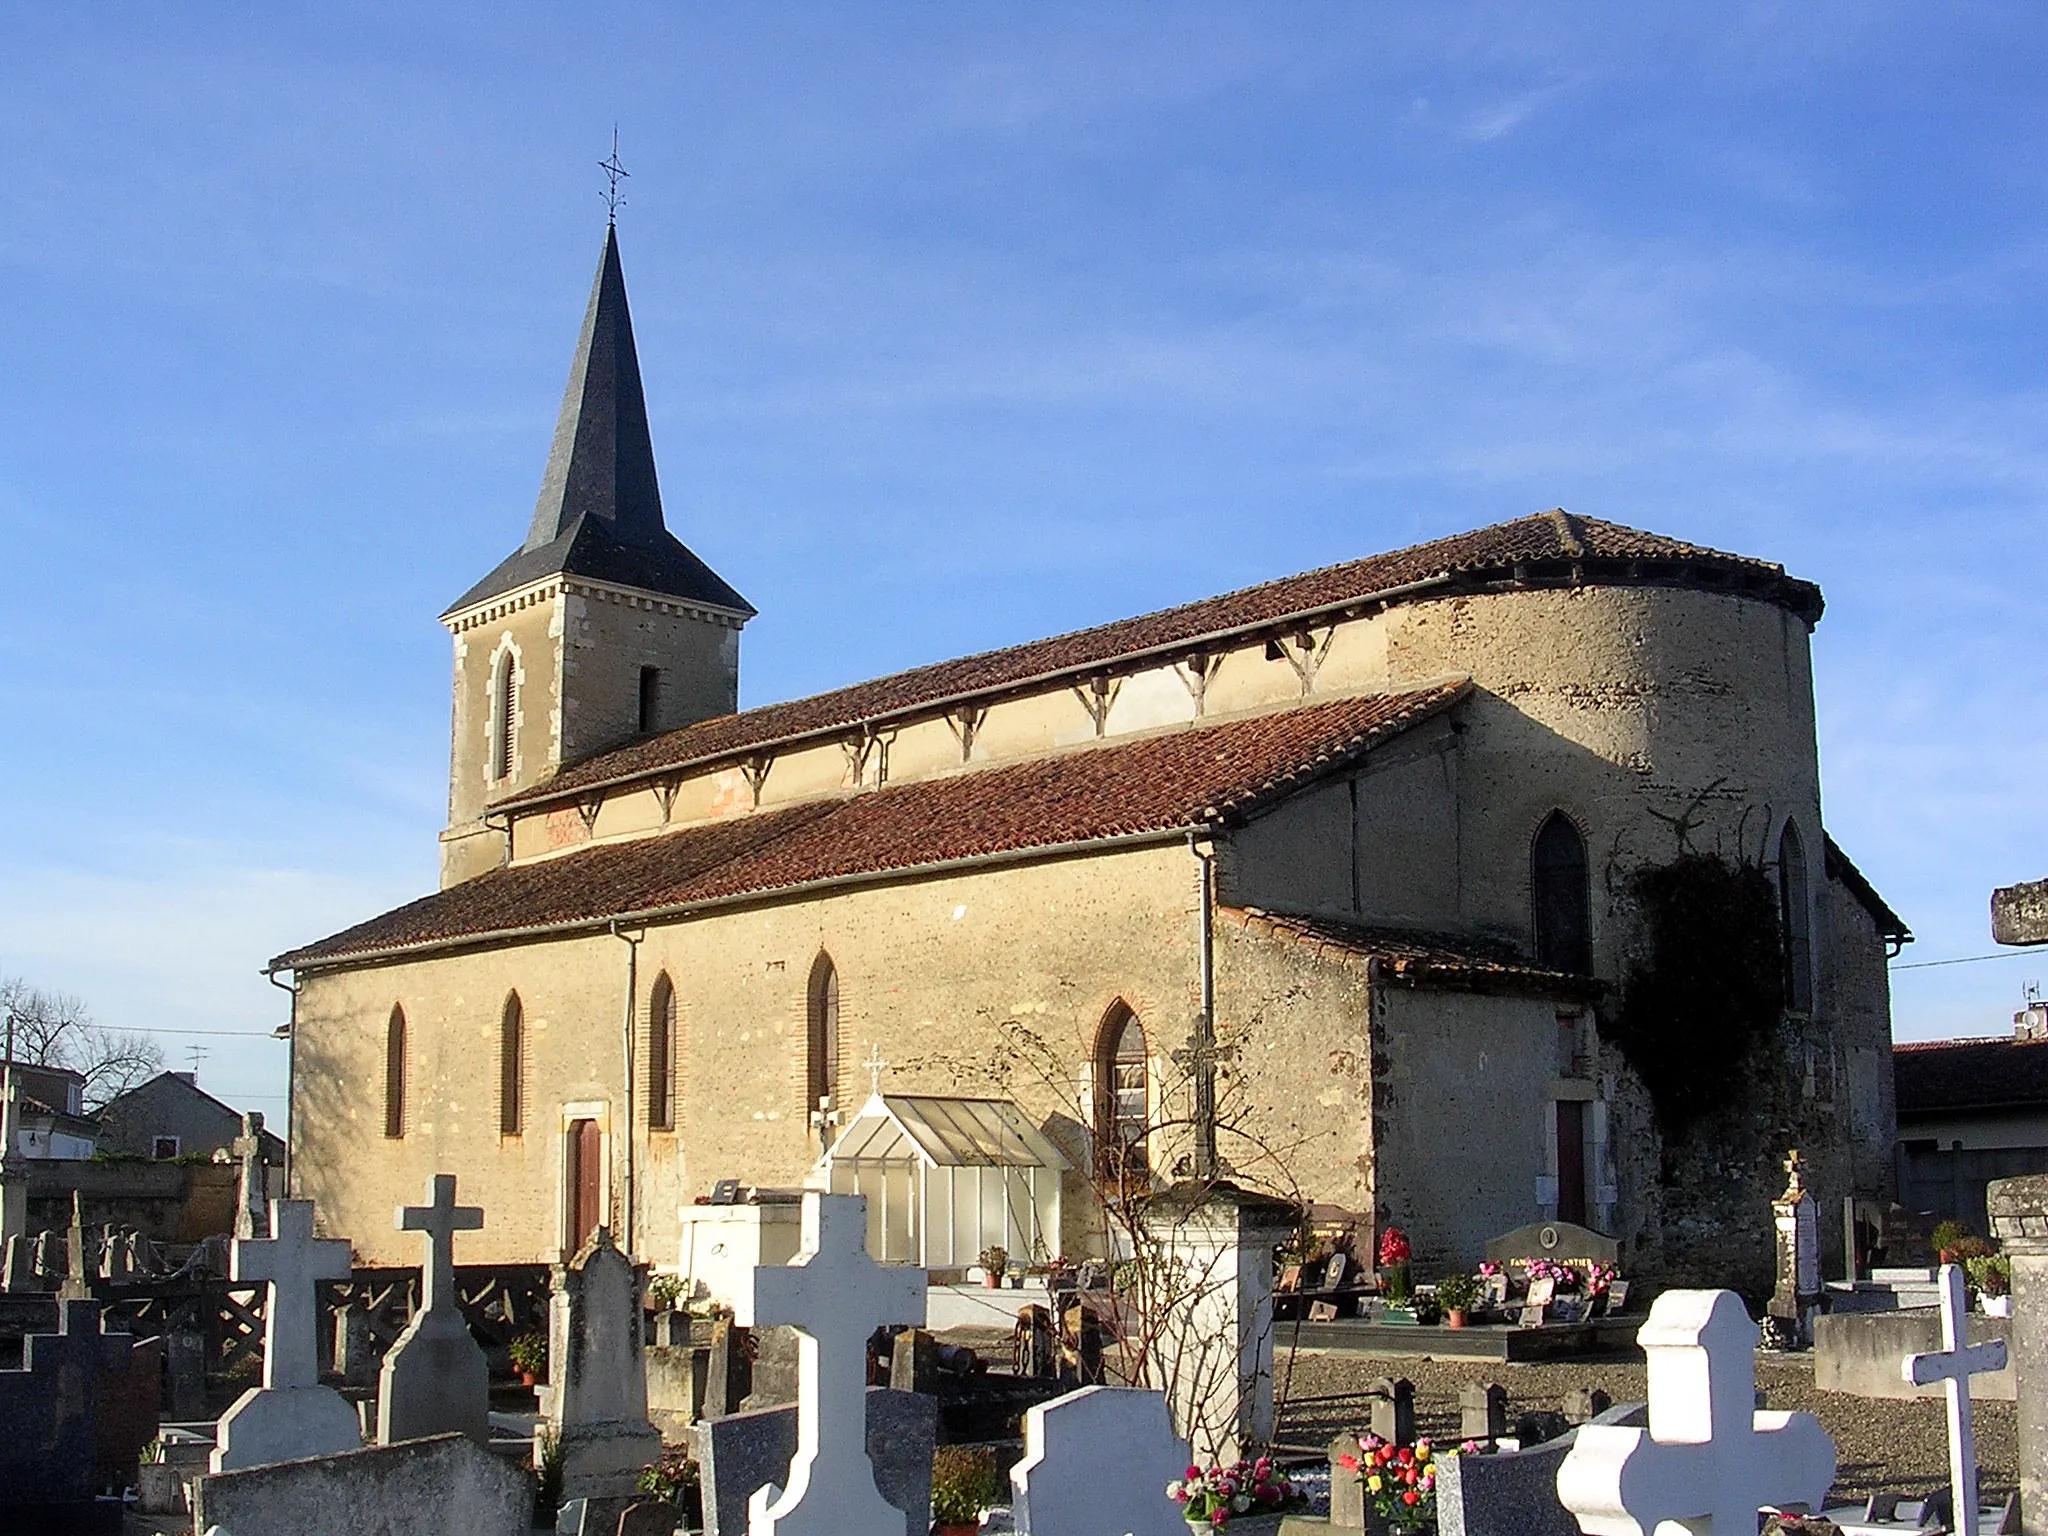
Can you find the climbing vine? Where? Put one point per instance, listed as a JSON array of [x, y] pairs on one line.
[[1706, 986]]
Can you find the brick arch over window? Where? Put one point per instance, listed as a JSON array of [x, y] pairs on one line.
[[1795, 920], [661, 1055], [821, 1034], [1561, 897], [394, 1073], [1122, 1091], [512, 1067]]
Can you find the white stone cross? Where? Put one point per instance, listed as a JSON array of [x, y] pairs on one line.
[[1709, 1460], [837, 1297], [876, 1067], [440, 1218], [291, 1261], [1953, 1365]]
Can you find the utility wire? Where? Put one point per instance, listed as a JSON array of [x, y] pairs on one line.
[[2004, 954]]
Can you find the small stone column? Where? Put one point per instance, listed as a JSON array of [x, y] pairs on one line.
[[2019, 1220], [1213, 1353]]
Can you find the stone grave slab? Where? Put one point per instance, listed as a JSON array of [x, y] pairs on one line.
[[49, 1414], [1482, 1411], [435, 1379], [431, 1487], [1709, 1457], [291, 1415], [1098, 1460], [1559, 1240], [599, 1401], [744, 1452]]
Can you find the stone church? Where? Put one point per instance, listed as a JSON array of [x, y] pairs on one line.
[[1393, 819]]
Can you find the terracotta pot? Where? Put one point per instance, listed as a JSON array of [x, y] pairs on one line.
[[1455, 1318], [526, 1378], [956, 1530], [992, 1282]]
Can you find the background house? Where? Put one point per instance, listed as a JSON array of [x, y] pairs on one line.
[[53, 1120], [172, 1116], [1971, 1111]]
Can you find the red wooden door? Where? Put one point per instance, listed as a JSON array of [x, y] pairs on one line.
[[586, 1173], [1571, 1161]]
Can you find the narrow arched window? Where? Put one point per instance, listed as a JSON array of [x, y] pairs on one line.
[[661, 1055], [505, 717], [1121, 1091], [650, 698], [1794, 920], [821, 1037], [512, 1068], [394, 1074], [1562, 898]]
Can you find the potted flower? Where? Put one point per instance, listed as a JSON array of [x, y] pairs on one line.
[[993, 1262], [1990, 1274], [1400, 1482], [1456, 1294], [676, 1479], [963, 1486], [1208, 1500], [529, 1353], [1395, 1285]]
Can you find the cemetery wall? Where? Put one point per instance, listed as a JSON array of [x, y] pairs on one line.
[[171, 1202]]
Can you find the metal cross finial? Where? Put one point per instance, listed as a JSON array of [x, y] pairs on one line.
[[614, 174], [876, 1067]]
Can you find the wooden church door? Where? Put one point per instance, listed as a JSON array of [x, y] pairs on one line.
[[586, 1174], [1571, 1161]]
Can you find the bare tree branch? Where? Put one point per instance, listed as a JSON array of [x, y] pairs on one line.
[[55, 1029]]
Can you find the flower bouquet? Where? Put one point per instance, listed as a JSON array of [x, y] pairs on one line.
[[1395, 1285], [1209, 1499], [1400, 1481]]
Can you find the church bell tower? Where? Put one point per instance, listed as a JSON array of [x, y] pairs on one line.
[[602, 627]]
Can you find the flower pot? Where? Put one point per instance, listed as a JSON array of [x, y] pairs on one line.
[[526, 1378], [1997, 1306], [1455, 1318], [1399, 1317], [956, 1530], [992, 1282]]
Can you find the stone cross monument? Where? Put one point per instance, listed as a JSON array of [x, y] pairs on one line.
[[1710, 1459], [1953, 1366], [251, 1194], [291, 1414], [435, 1379], [13, 1177], [835, 1296], [1797, 1220]]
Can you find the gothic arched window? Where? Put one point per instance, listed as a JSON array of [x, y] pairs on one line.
[[1121, 1089], [1561, 898], [505, 714], [394, 1074], [1795, 921], [661, 1055], [821, 1036], [512, 1068]]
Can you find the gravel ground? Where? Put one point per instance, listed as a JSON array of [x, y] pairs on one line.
[[1878, 1444]]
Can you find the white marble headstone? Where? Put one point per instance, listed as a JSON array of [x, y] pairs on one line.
[[1099, 1460]]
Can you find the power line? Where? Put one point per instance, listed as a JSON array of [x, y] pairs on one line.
[[2004, 954]]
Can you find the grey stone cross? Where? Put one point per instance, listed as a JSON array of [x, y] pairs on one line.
[[291, 1261], [441, 1219], [1953, 1365], [250, 1196]]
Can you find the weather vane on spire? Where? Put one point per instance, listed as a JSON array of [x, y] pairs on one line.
[[614, 174]]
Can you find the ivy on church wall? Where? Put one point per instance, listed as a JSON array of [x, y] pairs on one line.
[[1706, 987]]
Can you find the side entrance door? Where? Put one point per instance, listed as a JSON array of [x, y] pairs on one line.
[[585, 1181], [1571, 1161]]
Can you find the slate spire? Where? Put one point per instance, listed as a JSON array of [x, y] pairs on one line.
[[602, 463], [599, 512]]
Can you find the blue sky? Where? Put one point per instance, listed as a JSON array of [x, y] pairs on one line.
[[963, 325]]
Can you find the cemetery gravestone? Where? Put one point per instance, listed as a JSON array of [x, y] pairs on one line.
[[729, 1376], [1512, 1493], [355, 1355], [49, 1416], [1561, 1241], [1482, 1411], [185, 1369], [773, 1371], [439, 1486], [1797, 1221], [1098, 1460], [1708, 1458], [745, 1452], [1953, 1365], [1582, 1405], [250, 1195], [599, 1402], [17, 1268], [914, 1361], [2019, 1220], [1347, 1493], [836, 1296], [1393, 1410], [13, 1166], [435, 1378], [291, 1414], [77, 1282]]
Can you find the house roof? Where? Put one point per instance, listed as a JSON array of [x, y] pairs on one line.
[[1416, 959], [1890, 926], [1549, 548], [1195, 776], [180, 1083], [1970, 1074], [599, 510]]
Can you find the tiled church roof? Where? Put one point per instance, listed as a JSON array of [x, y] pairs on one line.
[[1550, 548], [1191, 777]]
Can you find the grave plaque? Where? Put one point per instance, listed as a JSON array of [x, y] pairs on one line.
[[1482, 1411], [1541, 1291]]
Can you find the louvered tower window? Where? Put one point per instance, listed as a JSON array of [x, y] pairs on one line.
[[505, 722]]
